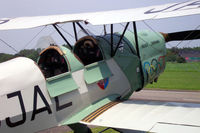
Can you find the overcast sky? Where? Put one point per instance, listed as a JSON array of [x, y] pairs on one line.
[[20, 39]]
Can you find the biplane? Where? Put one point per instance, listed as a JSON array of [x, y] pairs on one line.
[[90, 82]]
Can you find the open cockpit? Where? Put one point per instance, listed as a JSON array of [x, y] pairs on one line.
[[87, 50], [52, 62]]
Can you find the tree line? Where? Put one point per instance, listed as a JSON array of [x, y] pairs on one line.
[[172, 54], [29, 53]]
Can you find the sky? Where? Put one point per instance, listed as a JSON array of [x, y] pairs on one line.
[[20, 39]]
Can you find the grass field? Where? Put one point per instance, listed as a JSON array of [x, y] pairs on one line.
[[98, 129], [179, 76]]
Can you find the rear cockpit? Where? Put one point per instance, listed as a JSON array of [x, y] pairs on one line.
[[52, 62], [87, 50]]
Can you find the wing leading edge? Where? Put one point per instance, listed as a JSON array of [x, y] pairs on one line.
[[106, 17], [150, 116]]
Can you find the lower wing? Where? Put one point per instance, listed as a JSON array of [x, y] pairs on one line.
[[152, 116]]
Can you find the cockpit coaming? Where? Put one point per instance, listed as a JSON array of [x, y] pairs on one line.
[[87, 50], [53, 61]]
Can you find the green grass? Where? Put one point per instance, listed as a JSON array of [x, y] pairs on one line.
[[98, 129], [179, 77]]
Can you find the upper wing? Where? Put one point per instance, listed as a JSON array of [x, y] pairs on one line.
[[107, 17], [152, 116]]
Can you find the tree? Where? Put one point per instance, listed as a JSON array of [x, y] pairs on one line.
[[171, 55], [5, 57], [29, 53], [180, 59]]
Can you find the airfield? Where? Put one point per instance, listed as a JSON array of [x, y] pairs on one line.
[[148, 95]]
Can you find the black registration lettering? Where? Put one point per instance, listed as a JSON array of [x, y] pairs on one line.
[[45, 108], [3, 21], [61, 107], [8, 121], [192, 5], [156, 11]]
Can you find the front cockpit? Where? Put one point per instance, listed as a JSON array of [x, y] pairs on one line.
[[52, 62]]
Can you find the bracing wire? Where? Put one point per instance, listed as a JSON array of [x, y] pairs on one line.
[[191, 41], [66, 32], [55, 31], [154, 31], [28, 43], [187, 36], [9, 45], [93, 30], [130, 31], [138, 37]]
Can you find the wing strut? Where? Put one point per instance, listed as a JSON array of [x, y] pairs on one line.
[[104, 28], [54, 25], [75, 33], [138, 53], [136, 39], [111, 41], [82, 28], [121, 38]]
